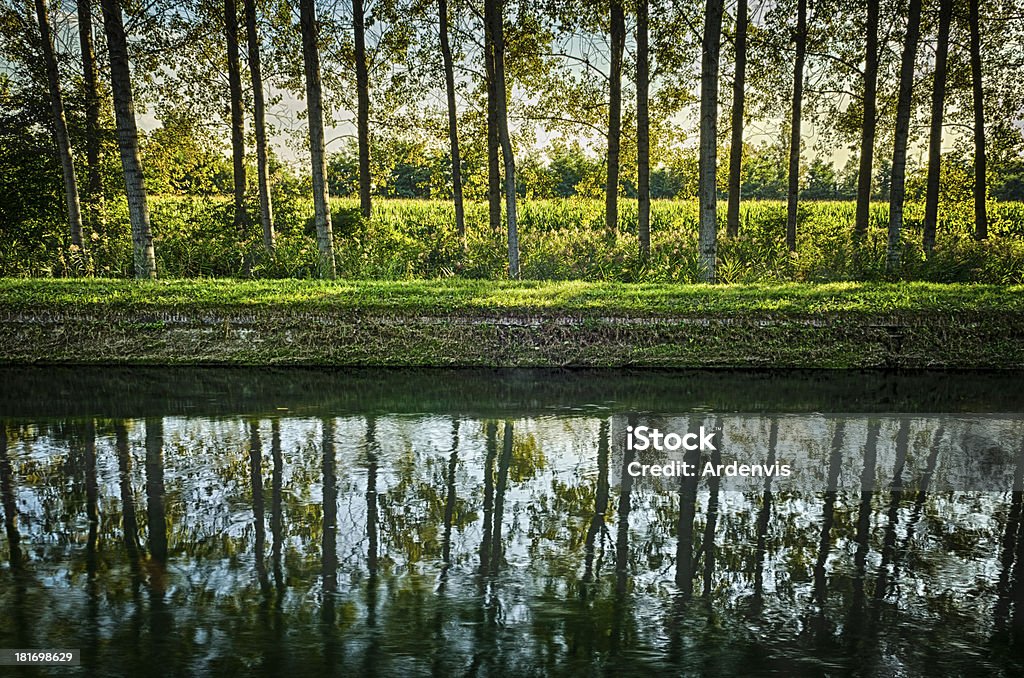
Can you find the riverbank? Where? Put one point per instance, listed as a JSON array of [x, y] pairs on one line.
[[506, 324]]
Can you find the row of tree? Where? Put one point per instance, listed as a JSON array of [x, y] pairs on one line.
[[868, 99], [593, 71]]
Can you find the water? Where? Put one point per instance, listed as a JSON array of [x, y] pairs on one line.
[[293, 522]]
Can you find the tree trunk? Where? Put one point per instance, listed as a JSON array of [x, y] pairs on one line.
[[501, 113], [794, 139], [867, 136], [317, 147], [362, 106], [611, 190], [493, 162], [707, 190], [643, 130], [453, 132], [980, 163], [897, 190], [931, 206], [260, 126], [60, 126], [736, 146], [128, 140], [93, 182], [237, 121]]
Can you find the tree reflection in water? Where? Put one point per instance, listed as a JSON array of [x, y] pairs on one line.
[[17, 611], [411, 543], [93, 584], [855, 622], [763, 518], [329, 549]]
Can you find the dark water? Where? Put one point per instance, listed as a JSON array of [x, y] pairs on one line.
[[253, 522]]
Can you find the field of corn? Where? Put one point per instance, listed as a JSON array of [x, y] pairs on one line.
[[559, 239]]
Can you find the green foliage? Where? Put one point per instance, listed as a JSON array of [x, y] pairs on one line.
[[573, 172], [404, 166], [763, 174], [400, 167], [561, 239], [181, 158], [1009, 184], [822, 182], [30, 177]]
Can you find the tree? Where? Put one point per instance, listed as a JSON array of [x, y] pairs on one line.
[[643, 129], [870, 121], [579, 91], [980, 166], [453, 131], [897, 191], [822, 183], [93, 181], [931, 207], [144, 256], [317, 151], [493, 161], [184, 157], [764, 172], [259, 125], [60, 125], [736, 147], [800, 37], [237, 121], [707, 190], [495, 39], [28, 169], [618, 42], [572, 170], [362, 106]]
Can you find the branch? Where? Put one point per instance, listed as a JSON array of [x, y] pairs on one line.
[[825, 55], [581, 60], [811, 90], [554, 118], [471, 71]]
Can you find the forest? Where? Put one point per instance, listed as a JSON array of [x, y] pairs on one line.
[[649, 140]]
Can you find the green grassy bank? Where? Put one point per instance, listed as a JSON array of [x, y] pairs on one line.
[[460, 322]]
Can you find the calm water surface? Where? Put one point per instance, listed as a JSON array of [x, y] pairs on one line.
[[258, 522]]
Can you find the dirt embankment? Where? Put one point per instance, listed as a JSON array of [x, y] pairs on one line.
[[285, 336]]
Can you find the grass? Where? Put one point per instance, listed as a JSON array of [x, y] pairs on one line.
[[560, 240], [473, 297]]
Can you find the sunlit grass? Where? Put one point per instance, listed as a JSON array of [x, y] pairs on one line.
[[455, 295]]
